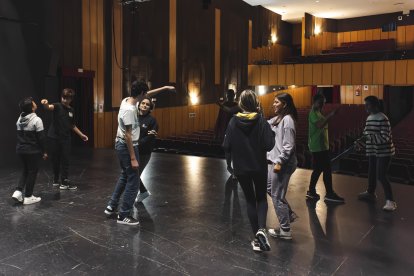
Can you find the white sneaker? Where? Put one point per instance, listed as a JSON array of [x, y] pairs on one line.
[[17, 196], [279, 233], [390, 206], [31, 200], [142, 196]]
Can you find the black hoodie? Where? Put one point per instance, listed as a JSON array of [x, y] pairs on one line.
[[30, 134], [248, 139]]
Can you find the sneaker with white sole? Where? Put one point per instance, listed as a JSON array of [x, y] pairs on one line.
[[127, 220], [333, 197], [56, 183], [390, 206], [67, 185], [142, 196], [261, 236], [109, 210], [31, 200], [279, 233], [18, 196], [256, 246]]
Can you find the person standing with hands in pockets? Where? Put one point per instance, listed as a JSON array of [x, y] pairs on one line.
[[59, 135]]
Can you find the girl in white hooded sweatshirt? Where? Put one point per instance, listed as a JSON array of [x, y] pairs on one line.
[[282, 162]]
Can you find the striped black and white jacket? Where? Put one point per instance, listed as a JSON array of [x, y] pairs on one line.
[[378, 136], [30, 134]]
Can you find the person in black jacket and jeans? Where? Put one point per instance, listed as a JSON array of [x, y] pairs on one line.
[[248, 139], [148, 131], [30, 147]]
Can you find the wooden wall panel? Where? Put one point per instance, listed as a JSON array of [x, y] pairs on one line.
[[173, 42], [326, 73], [376, 34], [340, 38], [264, 75], [354, 36], [346, 77], [272, 74], [356, 72], [401, 72], [389, 72], [317, 73], [401, 37], [253, 72], [410, 72], [361, 35], [117, 56], [367, 72], [378, 72], [281, 74], [299, 74], [290, 74], [368, 34], [409, 37], [336, 73], [392, 35], [307, 74]]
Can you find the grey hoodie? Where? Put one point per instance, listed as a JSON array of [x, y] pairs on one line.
[[30, 134], [284, 151]]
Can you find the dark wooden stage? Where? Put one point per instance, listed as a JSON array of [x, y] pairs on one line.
[[195, 223]]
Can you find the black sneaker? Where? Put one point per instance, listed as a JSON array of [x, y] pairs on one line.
[[127, 220], [109, 210], [367, 196], [312, 195], [333, 197], [261, 236], [67, 185]]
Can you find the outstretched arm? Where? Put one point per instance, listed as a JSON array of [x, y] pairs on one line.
[[154, 92], [80, 134], [46, 105]]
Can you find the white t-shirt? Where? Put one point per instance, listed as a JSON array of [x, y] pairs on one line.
[[127, 116]]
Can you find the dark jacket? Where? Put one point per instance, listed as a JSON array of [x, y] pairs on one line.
[[146, 142], [248, 139], [30, 134]]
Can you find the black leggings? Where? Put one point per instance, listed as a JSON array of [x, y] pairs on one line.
[[378, 168], [29, 174], [254, 186], [321, 163], [60, 151]]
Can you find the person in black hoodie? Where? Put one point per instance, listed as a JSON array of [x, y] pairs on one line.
[[148, 131], [30, 146], [248, 139]]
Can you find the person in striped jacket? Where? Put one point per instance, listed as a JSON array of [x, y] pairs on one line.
[[379, 150]]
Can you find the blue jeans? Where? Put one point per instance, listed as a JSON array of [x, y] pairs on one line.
[[128, 182]]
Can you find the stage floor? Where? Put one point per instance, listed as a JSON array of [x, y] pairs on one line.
[[195, 223]]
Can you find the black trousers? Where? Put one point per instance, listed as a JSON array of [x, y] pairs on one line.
[[143, 162], [29, 173], [321, 164], [254, 186], [60, 151], [378, 168]]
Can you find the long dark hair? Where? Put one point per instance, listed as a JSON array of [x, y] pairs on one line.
[[290, 108]]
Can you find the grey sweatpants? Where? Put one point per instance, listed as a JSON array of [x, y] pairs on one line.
[[277, 185]]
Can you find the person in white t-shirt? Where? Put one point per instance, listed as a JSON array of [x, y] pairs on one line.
[[126, 146]]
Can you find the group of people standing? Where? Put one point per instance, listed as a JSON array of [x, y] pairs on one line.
[[262, 155]]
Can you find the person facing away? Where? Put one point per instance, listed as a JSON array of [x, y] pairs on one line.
[[148, 131], [126, 147], [282, 162], [379, 150], [247, 140], [318, 142], [30, 148], [226, 112], [59, 135]]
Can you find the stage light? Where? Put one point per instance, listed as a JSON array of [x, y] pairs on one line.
[[317, 30], [194, 98], [261, 89], [274, 38]]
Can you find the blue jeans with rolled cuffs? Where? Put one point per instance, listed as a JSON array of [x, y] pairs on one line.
[[128, 181]]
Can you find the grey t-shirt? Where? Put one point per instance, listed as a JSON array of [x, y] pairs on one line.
[[127, 116]]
